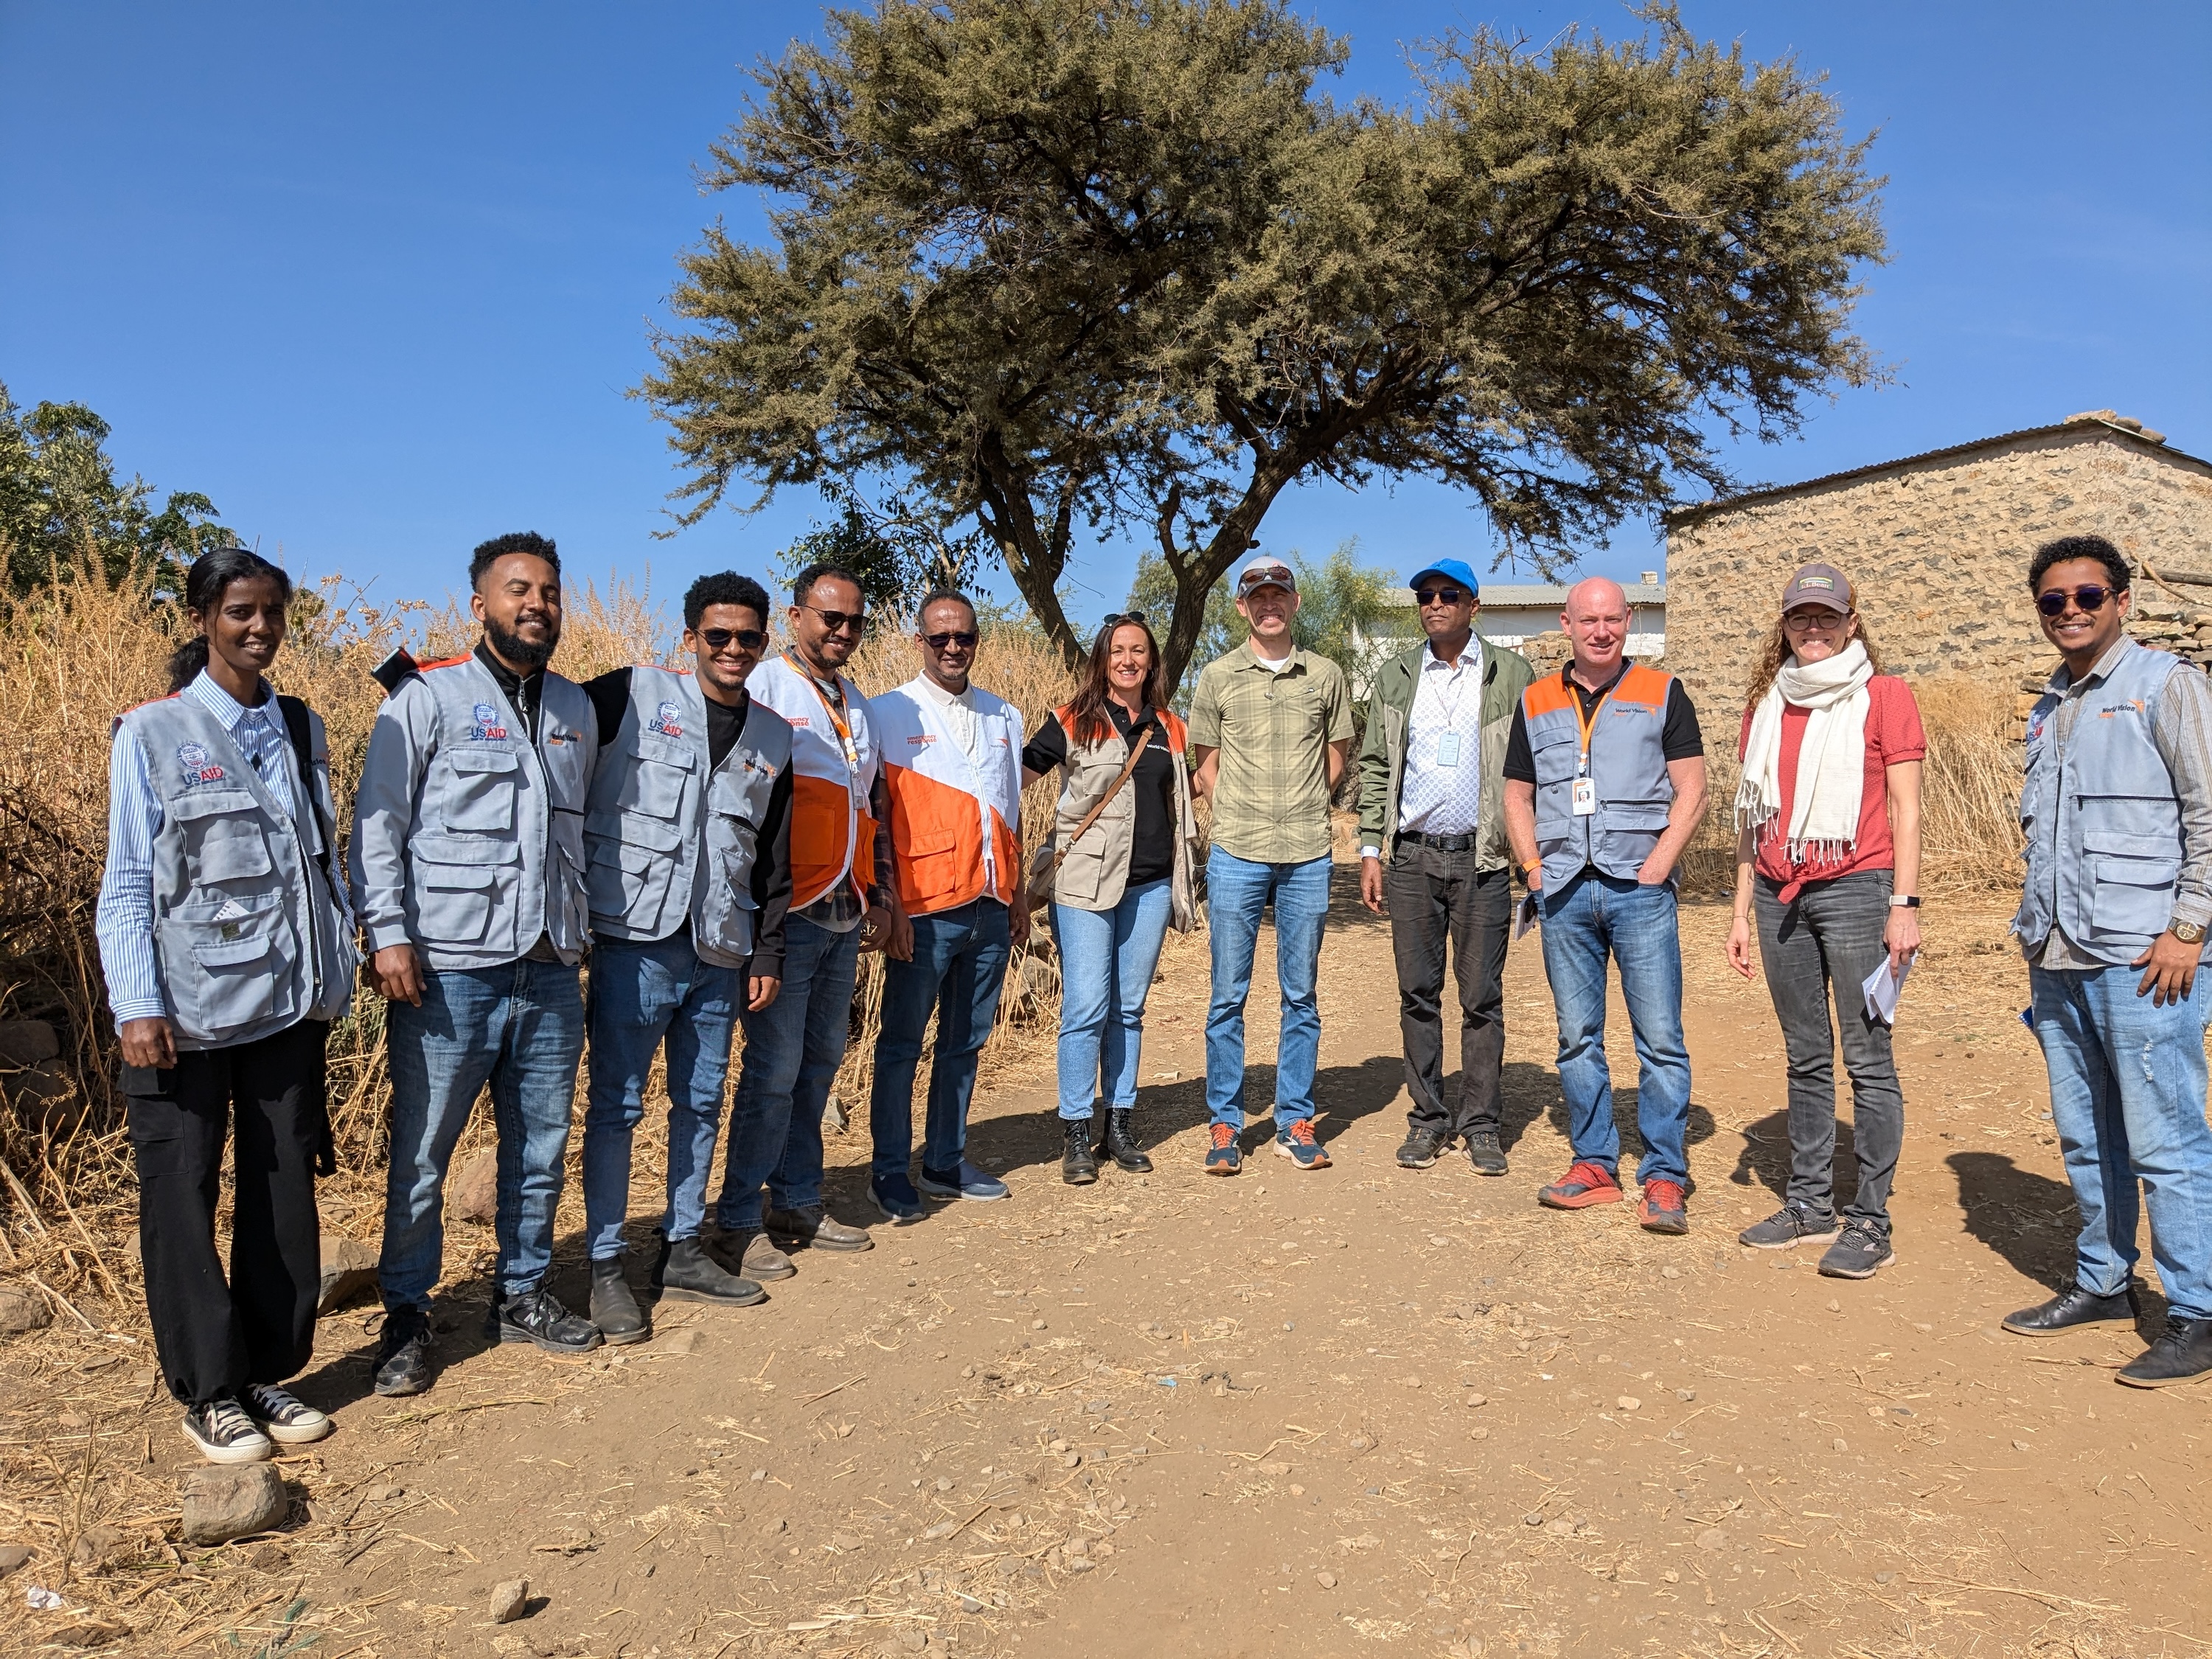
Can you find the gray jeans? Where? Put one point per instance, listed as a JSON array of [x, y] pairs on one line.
[[1434, 898], [1825, 941]]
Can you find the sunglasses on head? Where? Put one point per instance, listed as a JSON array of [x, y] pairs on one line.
[[746, 639], [1118, 617], [837, 621], [1439, 595], [965, 638], [2051, 602], [1275, 576]]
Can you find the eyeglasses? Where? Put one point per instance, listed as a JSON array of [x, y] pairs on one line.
[[839, 621], [963, 638], [1813, 617], [1439, 595], [746, 639], [2090, 597]]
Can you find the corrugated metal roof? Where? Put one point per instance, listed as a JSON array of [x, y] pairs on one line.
[[2079, 428], [1531, 595]]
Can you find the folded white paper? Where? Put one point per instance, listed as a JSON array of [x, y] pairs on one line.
[[1882, 989]]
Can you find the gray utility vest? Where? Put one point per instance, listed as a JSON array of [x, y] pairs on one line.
[[667, 836], [248, 937], [1627, 765], [2102, 822], [496, 855]]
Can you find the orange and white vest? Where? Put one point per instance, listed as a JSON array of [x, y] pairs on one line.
[[956, 824], [834, 757]]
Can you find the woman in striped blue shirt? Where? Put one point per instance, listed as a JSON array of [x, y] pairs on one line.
[[229, 948]]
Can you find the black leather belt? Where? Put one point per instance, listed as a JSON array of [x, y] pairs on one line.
[[1442, 843]]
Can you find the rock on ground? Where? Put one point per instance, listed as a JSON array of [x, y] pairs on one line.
[[22, 1310], [222, 1503], [26, 1042], [474, 1193], [348, 1269], [510, 1601]]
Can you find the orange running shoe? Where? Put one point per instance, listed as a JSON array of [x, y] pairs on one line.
[[1663, 1208], [1583, 1185]]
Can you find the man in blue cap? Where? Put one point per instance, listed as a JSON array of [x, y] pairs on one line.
[[1433, 856]]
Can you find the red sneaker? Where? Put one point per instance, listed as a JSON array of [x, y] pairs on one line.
[[1663, 1208], [1585, 1184]]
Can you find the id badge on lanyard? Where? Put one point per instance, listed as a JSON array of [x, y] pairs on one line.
[[1585, 797]]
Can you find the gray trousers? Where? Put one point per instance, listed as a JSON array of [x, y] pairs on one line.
[[1434, 898], [1821, 946]]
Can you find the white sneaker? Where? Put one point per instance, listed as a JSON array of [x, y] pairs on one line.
[[224, 1434], [281, 1417]]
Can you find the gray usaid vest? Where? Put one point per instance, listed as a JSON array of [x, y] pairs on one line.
[[668, 837], [2102, 821], [496, 853], [1627, 765], [248, 939]]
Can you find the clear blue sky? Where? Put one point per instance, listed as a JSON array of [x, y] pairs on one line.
[[376, 277]]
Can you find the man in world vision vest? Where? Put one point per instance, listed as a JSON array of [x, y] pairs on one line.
[[1605, 784], [688, 875], [468, 866], [2117, 806]]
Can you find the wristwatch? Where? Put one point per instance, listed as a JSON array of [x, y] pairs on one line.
[[1904, 900], [2188, 932]]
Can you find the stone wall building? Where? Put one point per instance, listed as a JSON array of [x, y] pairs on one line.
[[1937, 546]]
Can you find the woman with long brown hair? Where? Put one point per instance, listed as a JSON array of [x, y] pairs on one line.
[[1828, 859], [1120, 883]]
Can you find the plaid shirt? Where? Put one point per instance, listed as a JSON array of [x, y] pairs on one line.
[[1273, 729]]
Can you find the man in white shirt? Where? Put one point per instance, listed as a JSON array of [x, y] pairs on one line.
[[1433, 852]]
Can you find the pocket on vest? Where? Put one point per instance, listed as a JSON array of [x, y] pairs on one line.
[[2134, 878], [479, 789], [624, 880], [452, 901], [931, 866], [241, 972]]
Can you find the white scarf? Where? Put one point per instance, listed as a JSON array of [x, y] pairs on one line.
[[1824, 813]]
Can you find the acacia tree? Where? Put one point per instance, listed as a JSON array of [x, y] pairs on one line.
[[1112, 266]]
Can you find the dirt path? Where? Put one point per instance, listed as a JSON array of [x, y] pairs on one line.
[[1293, 1414]]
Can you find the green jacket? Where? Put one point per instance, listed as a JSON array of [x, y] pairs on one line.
[[1505, 675]]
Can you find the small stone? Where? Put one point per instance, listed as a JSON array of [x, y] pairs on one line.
[[1532, 1519], [942, 1529], [268, 1559], [1834, 1306], [12, 1556], [510, 1601], [1670, 1273], [1412, 1381], [1326, 1580], [1360, 1443], [2021, 1445], [1712, 1538], [26, 1042], [1478, 1434], [22, 1310], [98, 1546], [1686, 1393], [223, 1502], [1561, 1528], [1884, 1577], [348, 1271], [1629, 1402], [683, 1341], [1839, 1445], [1036, 1324], [832, 1115], [846, 1542], [474, 1193], [1474, 1400], [772, 1529]]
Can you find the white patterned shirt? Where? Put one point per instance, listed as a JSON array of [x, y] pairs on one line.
[[1444, 800]]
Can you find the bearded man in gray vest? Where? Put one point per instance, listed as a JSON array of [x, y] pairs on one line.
[[2118, 809], [468, 859], [689, 876]]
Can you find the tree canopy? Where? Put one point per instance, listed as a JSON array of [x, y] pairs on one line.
[[60, 502], [1118, 266]]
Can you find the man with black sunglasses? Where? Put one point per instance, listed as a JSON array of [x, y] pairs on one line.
[[2113, 917], [686, 836], [1433, 856]]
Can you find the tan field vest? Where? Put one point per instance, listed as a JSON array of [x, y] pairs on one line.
[[1096, 869]]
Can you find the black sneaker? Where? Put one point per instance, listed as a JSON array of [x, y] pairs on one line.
[[614, 1304], [1788, 1227], [225, 1434], [1421, 1150], [282, 1416], [2182, 1353], [2075, 1306], [1483, 1152], [1079, 1165], [403, 1353], [536, 1316], [1861, 1253]]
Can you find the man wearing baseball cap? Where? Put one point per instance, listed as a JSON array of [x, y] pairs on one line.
[[1433, 857], [1270, 728]]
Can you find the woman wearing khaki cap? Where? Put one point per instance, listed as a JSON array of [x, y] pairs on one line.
[[1828, 861]]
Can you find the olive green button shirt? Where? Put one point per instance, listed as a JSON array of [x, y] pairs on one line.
[[1274, 728]]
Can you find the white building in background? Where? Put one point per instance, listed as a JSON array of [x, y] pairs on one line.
[[1515, 612]]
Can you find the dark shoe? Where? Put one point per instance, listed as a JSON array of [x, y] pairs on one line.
[[1584, 1184], [1120, 1143], [403, 1353], [614, 1307], [1421, 1148], [751, 1254], [1485, 1154], [536, 1316], [812, 1225], [1079, 1165], [1222, 1157], [1663, 1208], [283, 1416], [2182, 1353], [225, 1434], [966, 1182], [1861, 1253], [2075, 1306], [895, 1199], [685, 1273], [1788, 1227]]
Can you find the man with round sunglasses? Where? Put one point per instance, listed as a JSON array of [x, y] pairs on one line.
[[1433, 857], [2118, 810], [952, 783], [687, 838]]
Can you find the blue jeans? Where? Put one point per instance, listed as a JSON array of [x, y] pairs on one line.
[[1591, 916], [520, 1028], [1238, 890], [792, 1050], [640, 995], [1106, 958], [959, 963], [2127, 1096]]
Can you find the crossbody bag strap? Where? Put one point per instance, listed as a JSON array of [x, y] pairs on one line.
[[295, 728]]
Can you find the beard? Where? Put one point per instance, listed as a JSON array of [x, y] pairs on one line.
[[513, 648]]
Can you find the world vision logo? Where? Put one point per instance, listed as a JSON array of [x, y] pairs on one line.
[[2132, 706]]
